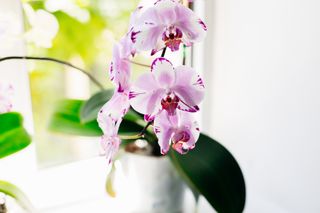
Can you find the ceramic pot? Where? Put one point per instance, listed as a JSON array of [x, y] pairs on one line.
[[150, 184]]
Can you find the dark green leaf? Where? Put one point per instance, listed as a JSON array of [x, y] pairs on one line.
[[13, 137], [66, 119], [134, 116], [212, 170], [13, 191], [90, 108]]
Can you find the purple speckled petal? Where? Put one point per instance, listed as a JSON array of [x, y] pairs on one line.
[[192, 27], [120, 68], [110, 146], [148, 103], [147, 30], [111, 114], [164, 129], [189, 88], [186, 134]]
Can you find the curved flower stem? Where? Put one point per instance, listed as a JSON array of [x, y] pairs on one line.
[[139, 64], [56, 61], [131, 137]]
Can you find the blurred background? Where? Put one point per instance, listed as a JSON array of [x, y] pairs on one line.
[[261, 66], [86, 33]]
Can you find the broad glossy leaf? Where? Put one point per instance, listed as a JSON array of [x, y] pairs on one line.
[[66, 119], [90, 108], [9, 121], [211, 170], [13, 137], [13, 191], [13, 141]]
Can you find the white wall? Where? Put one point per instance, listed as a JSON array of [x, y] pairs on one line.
[[262, 69]]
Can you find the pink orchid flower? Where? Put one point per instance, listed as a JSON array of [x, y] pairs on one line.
[[166, 88], [109, 120], [6, 92], [120, 68], [180, 130], [168, 23]]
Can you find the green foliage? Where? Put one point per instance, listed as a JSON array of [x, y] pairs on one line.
[[90, 108], [212, 171], [13, 137], [13, 191], [66, 119]]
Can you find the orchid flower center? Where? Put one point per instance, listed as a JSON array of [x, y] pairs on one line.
[[170, 103], [172, 38], [179, 142]]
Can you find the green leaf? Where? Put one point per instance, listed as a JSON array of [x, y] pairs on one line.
[[66, 119], [211, 170], [13, 137], [90, 108], [9, 121], [13, 141], [13, 191]]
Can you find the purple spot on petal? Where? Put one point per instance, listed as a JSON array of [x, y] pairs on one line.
[[199, 82], [154, 51], [202, 24], [148, 118], [134, 94], [161, 59], [120, 89], [134, 36], [149, 23]]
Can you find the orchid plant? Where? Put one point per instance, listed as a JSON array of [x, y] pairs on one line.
[[160, 106], [167, 96]]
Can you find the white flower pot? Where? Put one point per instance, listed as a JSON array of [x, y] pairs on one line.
[[150, 184]]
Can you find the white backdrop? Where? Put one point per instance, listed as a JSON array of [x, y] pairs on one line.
[[262, 69]]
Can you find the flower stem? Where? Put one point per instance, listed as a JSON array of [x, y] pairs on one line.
[[184, 57], [163, 52], [145, 128], [94, 80], [140, 64], [131, 137]]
